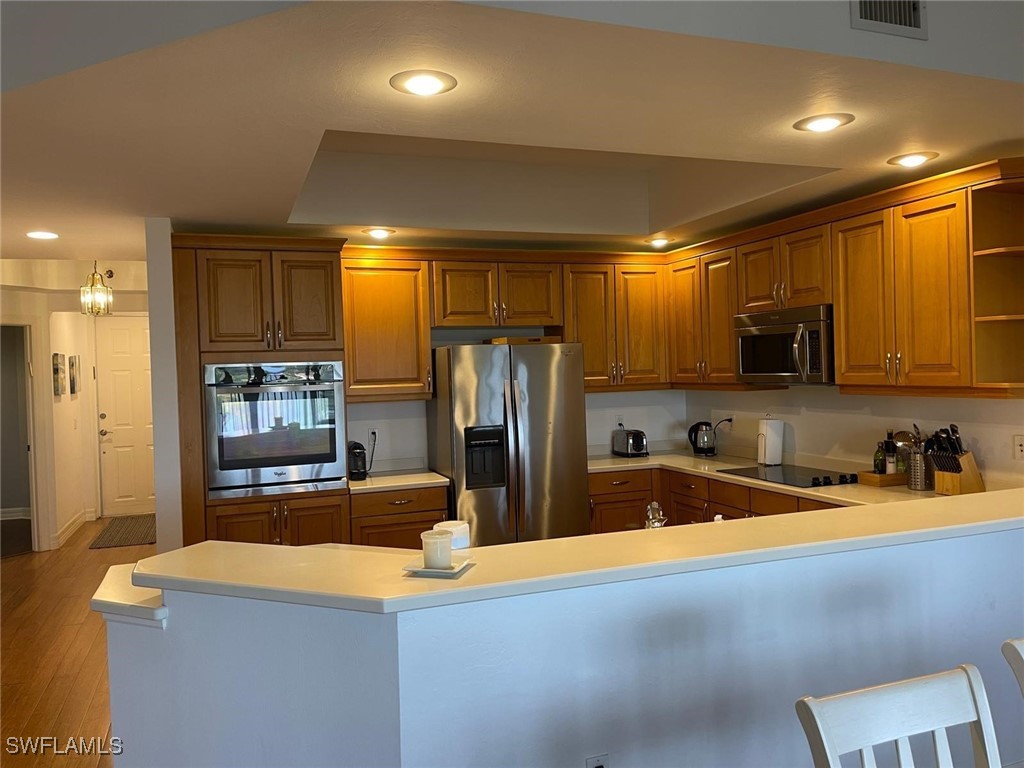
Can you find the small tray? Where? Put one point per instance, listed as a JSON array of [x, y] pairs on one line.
[[459, 564], [880, 481]]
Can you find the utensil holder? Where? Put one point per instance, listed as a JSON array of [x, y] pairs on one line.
[[921, 472], [967, 480]]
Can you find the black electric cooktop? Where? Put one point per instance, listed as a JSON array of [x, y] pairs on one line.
[[798, 477]]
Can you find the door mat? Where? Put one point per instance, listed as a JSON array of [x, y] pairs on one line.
[[127, 531]]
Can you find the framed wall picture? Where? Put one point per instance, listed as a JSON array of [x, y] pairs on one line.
[[73, 370], [60, 385]]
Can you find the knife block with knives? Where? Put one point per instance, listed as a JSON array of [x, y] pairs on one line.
[[956, 474]]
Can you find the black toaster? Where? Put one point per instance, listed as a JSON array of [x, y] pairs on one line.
[[629, 442]]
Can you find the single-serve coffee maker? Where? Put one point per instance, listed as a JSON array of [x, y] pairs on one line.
[[702, 439]]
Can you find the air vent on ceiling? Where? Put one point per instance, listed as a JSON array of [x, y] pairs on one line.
[[906, 18]]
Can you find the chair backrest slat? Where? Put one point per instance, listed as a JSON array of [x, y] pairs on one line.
[[855, 721], [1013, 650], [943, 757], [904, 756]]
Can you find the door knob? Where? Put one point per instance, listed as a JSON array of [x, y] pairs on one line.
[[104, 432], [103, 415]]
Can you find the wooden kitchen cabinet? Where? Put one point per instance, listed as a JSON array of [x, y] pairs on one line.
[[387, 330], [619, 500], [618, 314], [296, 520], [902, 297], [257, 300], [793, 270], [702, 305], [807, 505], [478, 294], [397, 518], [771, 503], [685, 510]]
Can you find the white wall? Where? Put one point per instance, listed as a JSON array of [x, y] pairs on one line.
[[821, 423], [401, 433], [15, 495], [74, 424], [661, 414]]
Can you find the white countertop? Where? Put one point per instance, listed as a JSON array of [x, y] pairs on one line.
[[117, 594], [371, 579], [402, 481], [843, 495]]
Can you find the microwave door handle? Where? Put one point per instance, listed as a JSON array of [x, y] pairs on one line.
[[796, 352]]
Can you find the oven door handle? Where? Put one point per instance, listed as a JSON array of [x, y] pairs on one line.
[[276, 387], [796, 353]]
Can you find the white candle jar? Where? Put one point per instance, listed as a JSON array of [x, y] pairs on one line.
[[437, 549]]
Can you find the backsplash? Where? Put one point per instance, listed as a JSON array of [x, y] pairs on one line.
[[659, 413], [837, 431], [401, 433]]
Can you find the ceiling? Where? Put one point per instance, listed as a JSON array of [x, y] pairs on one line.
[[562, 133]]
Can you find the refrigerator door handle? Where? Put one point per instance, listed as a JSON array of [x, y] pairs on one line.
[[520, 472], [512, 455]]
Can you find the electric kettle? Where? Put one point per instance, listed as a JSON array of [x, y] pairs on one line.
[[702, 438]]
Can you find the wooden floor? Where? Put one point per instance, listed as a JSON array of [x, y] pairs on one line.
[[53, 649]]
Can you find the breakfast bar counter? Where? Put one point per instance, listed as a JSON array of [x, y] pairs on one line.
[[684, 645]]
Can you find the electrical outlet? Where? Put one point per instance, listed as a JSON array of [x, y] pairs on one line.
[[601, 761], [726, 425], [377, 441], [618, 420], [1018, 447]]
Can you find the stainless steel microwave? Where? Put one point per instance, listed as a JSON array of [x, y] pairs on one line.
[[786, 346], [269, 425]]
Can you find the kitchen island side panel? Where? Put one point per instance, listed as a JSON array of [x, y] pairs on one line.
[[703, 668], [247, 683]]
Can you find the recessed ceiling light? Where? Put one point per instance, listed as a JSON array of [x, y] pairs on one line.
[[43, 235], [423, 82], [659, 242], [823, 123], [379, 233], [913, 159]]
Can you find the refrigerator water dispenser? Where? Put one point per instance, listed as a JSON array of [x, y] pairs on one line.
[[485, 457]]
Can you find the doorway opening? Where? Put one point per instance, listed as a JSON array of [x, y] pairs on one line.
[[15, 443]]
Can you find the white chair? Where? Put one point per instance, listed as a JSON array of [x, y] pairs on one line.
[[1013, 650], [858, 720]]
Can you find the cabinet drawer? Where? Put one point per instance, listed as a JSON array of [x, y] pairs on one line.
[[392, 502], [730, 494], [729, 513], [688, 485], [770, 503], [619, 482], [401, 530], [806, 505]]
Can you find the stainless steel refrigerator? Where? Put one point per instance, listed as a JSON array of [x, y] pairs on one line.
[[508, 428]]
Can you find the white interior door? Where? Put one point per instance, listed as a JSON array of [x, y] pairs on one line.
[[125, 419]]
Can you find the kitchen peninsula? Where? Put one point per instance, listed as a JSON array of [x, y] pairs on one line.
[[648, 646]]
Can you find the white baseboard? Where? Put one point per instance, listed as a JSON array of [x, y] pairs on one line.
[[90, 515], [68, 530], [16, 513]]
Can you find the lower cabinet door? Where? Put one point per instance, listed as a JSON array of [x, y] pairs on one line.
[[727, 512], [684, 510], [402, 530], [315, 521], [255, 522], [618, 511]]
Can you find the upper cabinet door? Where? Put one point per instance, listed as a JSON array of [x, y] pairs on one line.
[[307, 300], [387, 329], [531, 294], [235, 300], [465, 294], [863, 277], [718, 293], [640, 324], [758, 276], [685, 322], [590, 319], [805, 261], [932, 309]]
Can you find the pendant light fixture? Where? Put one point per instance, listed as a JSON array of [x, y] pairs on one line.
[[96, 295]]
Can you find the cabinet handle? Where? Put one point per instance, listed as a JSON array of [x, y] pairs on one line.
[[898, 356], [705, 513], [611, 376], [494, 306], [400, 502], [622, 376], [430, 380], [280, 336], [621, 482], [274, 507], [775, 294], [268, 334], [691, 487], [591, 509], [888, 362], [782, 293], [285, 515], [504, 312]]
